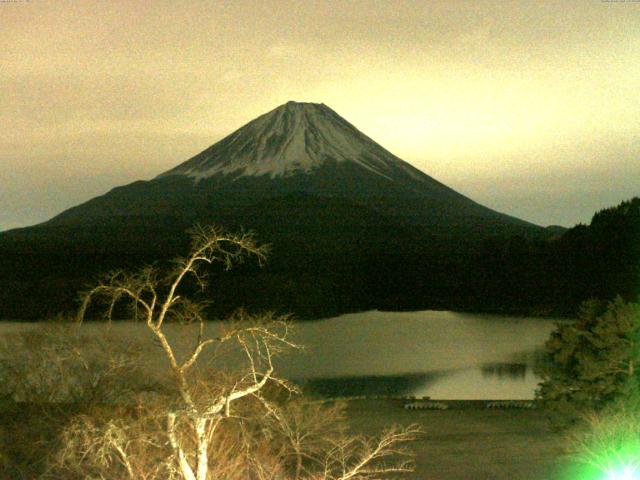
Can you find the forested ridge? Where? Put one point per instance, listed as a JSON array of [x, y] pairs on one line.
[[368, 266]]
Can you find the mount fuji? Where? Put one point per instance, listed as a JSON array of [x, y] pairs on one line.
[[297, 149], [351, 225]]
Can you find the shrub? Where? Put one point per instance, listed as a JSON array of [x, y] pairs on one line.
[[57, 362]]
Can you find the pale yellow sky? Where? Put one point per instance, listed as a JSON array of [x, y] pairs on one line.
[[529, 107]]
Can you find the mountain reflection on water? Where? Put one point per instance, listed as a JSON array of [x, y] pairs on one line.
[[495, 381], [502, 370], [367, 385]]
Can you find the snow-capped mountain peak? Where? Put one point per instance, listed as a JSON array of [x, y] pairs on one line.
[[293, 138]]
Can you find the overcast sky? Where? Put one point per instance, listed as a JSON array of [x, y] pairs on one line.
[[529, 107]]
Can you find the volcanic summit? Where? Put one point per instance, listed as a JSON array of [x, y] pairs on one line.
[[292, 139]]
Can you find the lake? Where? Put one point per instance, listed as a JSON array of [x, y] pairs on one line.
[[444, 355]]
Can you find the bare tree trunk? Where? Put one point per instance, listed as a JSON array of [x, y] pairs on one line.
[[203, 443]]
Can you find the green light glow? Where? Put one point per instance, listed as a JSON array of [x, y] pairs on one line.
[[608, 450], [628, 472]]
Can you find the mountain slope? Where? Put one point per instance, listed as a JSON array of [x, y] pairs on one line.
[[351, 225]]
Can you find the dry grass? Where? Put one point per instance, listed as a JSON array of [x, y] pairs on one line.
[[470, 444]]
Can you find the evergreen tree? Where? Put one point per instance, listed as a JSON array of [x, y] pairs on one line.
[[592, 361]]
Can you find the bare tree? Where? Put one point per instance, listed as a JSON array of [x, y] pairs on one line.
[[213, 404], [308, 430], [360, 458], [156, 300], [316, 438]]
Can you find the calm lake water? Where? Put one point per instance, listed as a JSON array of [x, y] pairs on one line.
[[444, 355]]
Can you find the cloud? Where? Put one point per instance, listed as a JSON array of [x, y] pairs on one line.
[[286, 51]]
